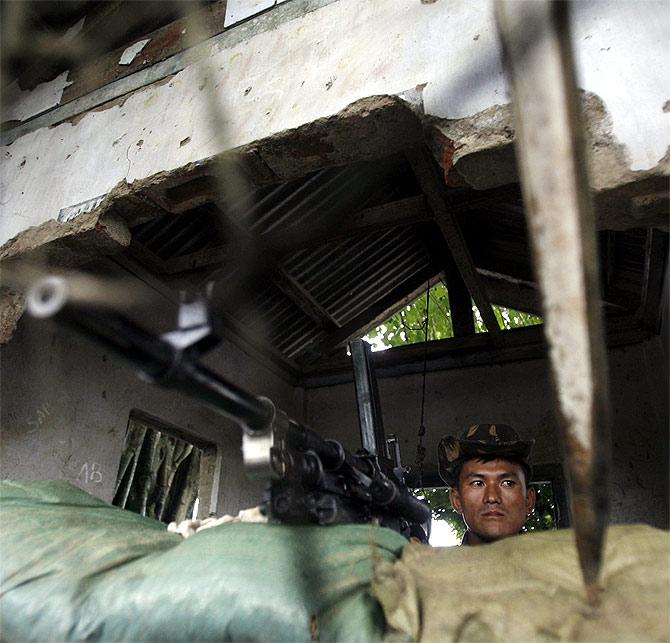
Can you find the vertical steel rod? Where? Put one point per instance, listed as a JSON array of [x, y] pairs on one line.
[[367, 400]]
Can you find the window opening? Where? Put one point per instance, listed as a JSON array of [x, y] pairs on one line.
[[407, 326], [159, 472], [508, 318], [448, 527]]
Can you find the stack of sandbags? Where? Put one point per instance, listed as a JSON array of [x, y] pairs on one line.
[[74, 567], [529, 588]]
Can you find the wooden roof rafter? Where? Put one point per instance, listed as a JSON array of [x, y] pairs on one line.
[[431, 183], [375, 314]]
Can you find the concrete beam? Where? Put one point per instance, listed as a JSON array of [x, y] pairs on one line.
[[271, 79], [478, 151], [53, 245], [68, 244], [12, 305], [291, 154]]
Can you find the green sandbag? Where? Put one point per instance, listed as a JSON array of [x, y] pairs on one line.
[[76, 568], [529, 588]]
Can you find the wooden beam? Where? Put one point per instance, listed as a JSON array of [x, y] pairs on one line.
[[610, 257], [256, 347], [512, 294], [195, 260], [459, 352], [262, 350], [483, 199], [523, 295], [460, 302], [303, 299], [410, 210], [655, 259], [143, 255], [433, 187], [261, 259], [374, 314]]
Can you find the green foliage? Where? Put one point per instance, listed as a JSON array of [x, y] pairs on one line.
[[544, 516], [440, 505], [508, 318], [408, 325]]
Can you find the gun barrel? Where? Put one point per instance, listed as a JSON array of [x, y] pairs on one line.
[[155, 358], [170, 365], [411, 507]]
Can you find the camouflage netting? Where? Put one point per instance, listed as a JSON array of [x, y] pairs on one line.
[[76, 568], [528, 588]]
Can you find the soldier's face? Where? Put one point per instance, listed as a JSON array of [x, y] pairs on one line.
[[493, 499]]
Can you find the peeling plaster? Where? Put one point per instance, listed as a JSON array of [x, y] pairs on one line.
[[237, 10], [129, 54], [313, 67], [22, 105]]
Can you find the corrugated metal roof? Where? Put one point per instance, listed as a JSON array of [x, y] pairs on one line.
[[348, 274], [344, 277], [314, 286]]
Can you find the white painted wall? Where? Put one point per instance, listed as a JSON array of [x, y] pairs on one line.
[[316, 65]]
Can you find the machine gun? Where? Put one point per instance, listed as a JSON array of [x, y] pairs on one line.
[[310, 479]]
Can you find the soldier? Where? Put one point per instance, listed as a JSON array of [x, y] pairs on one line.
[[488, 471]]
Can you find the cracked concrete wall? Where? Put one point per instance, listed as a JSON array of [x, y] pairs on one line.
[[66, 403], [519, 394], [312, 67]]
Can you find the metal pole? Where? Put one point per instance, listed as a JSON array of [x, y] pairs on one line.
[[367, 399], [551, 157]]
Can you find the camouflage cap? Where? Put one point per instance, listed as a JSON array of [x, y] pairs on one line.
[[479, 440]]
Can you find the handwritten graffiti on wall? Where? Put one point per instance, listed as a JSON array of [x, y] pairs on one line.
[[90, 473]]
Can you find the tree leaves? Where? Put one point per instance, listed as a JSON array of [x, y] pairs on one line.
[[408, 325]]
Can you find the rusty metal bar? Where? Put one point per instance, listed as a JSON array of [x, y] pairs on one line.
[[551, 156]]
